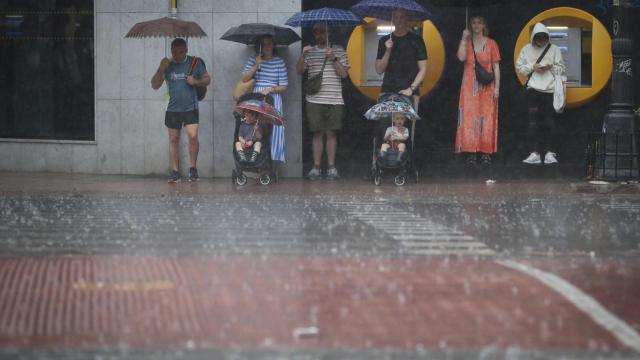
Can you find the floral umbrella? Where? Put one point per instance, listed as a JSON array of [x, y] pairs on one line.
[[267, 113], [386, 108]]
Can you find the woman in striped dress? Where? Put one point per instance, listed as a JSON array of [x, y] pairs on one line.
[[270, 73]]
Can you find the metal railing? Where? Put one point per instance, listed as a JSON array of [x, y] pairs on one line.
[[612, 157]]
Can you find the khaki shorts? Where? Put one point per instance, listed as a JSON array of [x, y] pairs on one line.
[[324, 116]]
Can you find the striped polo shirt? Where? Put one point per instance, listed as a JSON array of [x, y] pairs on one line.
[[331, 89]]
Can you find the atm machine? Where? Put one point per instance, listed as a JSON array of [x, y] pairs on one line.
[[569, 40]]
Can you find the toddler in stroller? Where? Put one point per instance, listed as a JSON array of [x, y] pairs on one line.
[[393, 145], [251, 138], [395, 137]]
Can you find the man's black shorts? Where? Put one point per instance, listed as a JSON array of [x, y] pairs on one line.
[[176, 120]]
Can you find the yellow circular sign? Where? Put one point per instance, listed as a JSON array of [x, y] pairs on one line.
[[357, 58], [599, 46]]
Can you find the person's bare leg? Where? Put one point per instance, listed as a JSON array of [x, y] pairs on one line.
[[257, 147], [318, 139], [194, 144], [332, 143], [174, 145], [401, 148]]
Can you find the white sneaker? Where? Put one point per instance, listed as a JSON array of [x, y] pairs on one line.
[[550, 158], [314, 174], [534, 158], [332, 173]]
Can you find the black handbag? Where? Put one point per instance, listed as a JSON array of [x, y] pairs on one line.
[[483, 76], [312, 84]]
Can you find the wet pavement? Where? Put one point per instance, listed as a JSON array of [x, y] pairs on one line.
[[130, 267]]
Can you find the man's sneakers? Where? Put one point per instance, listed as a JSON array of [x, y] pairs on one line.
[[534, 158], [550, 158], [314, 174], [174, 177], [193, 174], [332, 173]]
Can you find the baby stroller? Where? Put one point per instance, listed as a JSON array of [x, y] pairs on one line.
[[398, 164], [262, 168]]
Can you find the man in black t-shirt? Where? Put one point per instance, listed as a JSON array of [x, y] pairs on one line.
[[402, 57]]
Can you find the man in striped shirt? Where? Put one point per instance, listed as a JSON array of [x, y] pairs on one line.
[[325, 108]]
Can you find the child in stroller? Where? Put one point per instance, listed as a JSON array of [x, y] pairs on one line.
[[394, 153], [249, 137], [395, 137]]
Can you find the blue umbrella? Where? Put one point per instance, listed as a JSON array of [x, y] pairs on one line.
[[383, 9], [329, 16]]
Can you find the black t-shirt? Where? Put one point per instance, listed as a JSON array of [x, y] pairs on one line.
[[402, 69]]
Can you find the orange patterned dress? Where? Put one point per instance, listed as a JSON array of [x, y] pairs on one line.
[[478, 110]]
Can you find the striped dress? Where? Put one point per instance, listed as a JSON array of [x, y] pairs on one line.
[[272, 73]]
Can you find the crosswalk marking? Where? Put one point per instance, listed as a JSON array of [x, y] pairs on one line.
[[414, 234]]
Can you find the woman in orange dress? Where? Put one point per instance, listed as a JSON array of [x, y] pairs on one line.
[[477, 132]]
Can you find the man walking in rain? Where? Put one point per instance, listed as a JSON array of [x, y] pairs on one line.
[[402, 57], [325, 108], [182, 74]]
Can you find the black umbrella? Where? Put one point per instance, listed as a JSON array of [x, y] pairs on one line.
[[464, 3], [250, 33]]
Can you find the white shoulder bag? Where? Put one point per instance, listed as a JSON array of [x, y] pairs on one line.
[[560, 93]]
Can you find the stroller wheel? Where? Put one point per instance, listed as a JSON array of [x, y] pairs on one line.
[[241, 179], [377, 178], [265, 179], [399, 180]]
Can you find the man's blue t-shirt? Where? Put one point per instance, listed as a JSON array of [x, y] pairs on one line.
[[182, 96]]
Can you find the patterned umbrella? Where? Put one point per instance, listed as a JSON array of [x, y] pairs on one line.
[[250, 33], [386, 108], [329, 16], [268, 114], [383, 9], [166, 27]]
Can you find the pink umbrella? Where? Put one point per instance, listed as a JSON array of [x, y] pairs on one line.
[[267, 113]]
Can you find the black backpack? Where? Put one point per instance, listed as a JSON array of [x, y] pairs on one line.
[[200, 90]]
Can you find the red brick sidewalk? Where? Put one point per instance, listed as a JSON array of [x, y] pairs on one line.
[[250, 302]]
